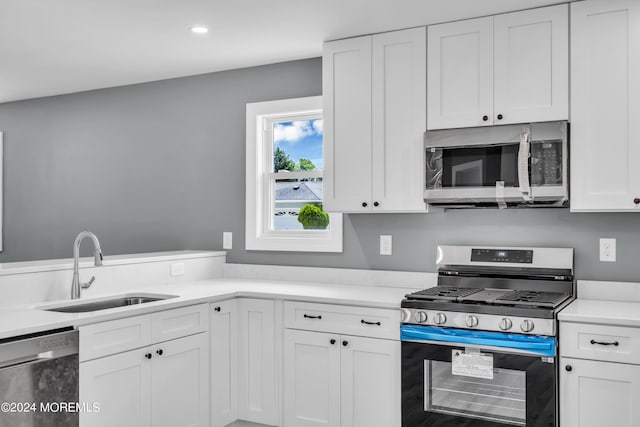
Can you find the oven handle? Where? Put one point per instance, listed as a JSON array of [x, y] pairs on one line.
[[526, 344]]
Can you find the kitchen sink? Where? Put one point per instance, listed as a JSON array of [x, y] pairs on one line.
[[120, 301]]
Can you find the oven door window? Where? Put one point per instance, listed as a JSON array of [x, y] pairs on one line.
[[520, 390], [501, 399]]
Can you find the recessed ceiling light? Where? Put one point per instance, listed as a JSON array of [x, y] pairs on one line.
[[199, 30]]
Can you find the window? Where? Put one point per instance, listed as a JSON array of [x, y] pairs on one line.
[[285, 179]]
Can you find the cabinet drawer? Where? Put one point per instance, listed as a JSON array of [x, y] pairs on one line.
[[116, 336], [600, 342], [180, 322], [343, 319]]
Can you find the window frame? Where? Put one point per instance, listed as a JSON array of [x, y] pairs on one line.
[[259, 234]]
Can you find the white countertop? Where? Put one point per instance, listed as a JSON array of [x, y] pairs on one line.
[[602, 312], [31, 319], [605, 303]]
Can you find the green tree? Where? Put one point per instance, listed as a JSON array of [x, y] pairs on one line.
[[282, 161], [306, 164]]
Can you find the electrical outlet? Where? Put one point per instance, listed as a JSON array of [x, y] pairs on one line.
[[227, 240], [608, 250], [385, 245], [177, 269]]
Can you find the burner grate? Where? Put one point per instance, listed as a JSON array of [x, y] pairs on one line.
[[443, 293], [539, 299]]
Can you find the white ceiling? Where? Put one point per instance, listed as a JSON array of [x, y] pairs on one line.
[[50, 47]]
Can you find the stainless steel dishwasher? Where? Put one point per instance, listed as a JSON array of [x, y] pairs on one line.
[[39, 380]]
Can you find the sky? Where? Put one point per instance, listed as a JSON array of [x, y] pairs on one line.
[[300, 139]]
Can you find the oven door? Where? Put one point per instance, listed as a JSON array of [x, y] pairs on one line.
[[454, 377]]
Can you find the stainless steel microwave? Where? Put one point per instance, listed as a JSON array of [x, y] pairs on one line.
[[522, 165]]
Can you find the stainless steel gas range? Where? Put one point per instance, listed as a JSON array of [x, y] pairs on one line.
[[480, 348]]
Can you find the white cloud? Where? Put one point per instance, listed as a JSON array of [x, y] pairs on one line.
[[317, 126], [296, 130]]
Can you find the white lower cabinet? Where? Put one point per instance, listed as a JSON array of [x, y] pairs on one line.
[[597, 394], [141, 372], [166, 384], [340, 381], [599, 375], [180, 383], [224, 363], [257, 361], [121, 386]]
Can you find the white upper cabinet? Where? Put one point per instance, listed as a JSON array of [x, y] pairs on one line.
[[346, 83], [605, 104], [399, 119], [460, 74], [511, 68], [531, 72], [374, 117]]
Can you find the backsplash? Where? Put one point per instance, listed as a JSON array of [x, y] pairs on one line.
[[121, 275]]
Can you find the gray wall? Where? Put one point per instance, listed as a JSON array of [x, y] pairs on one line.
[[160, 166]]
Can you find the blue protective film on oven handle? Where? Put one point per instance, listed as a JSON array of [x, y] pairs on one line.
[[544, 346]]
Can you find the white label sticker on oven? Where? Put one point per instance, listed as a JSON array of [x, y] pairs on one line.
[[477, 365]]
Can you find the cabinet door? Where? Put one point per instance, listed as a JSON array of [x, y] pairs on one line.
[[224, 363], [460, 74], [346, 83], [370, 376], [311, 379], [256, 369], [121, 385], [531, 68], [605, 105], [399, 110], [180, 382], [596, 394]]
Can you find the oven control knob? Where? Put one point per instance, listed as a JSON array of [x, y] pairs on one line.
[[472, 321], [505, 324], [421, 317], [440, 319], [527, 325]]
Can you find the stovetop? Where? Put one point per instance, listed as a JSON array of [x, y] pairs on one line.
[[499, 297]]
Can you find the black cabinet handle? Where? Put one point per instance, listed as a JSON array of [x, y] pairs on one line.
[[615, 343], [217, 309], [364, 204], [148, 355], [369, 323], [376, 204], [332, 341], [306, 316], [159, 352], [499, 116], [568, 368], [345, 343], [636, 200], [485, 118]]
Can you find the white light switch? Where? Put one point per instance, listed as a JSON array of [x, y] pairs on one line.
[[227, 240], [608, 250], [385, 245], [177, 269]]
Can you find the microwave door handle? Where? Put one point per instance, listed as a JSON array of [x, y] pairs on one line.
[[523, 167]]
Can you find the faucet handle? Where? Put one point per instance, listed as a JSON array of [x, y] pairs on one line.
[[89, 283]]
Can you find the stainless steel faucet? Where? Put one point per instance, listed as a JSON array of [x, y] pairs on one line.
[[97, 255]]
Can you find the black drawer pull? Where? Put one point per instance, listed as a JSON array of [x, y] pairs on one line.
[[615, 343], [217, 309], [332, 341], [369, 323], [306, 316]]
